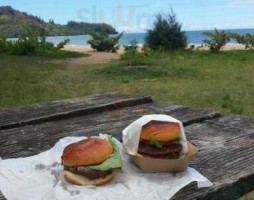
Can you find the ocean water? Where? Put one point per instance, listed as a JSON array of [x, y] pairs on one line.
[[194, 37]]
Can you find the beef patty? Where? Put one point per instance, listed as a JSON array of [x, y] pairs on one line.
[[169, 150], [88, 172]]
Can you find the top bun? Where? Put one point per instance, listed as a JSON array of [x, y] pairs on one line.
[[87, 152], [160, 131]]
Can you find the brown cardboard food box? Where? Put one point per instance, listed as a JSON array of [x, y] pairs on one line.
[[149, 165]]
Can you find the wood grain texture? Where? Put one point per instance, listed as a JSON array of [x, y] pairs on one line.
[[226, 144], [236, 121], [33, 139], [225, 157], [64, 109]]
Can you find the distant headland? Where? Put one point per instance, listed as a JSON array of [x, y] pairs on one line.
[[12, 21]]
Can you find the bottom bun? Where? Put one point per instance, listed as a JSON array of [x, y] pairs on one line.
[[82, 180]]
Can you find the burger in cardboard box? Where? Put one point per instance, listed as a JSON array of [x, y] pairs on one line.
[[157, 143]]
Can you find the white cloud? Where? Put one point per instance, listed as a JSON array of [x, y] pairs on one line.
[[134, 29]]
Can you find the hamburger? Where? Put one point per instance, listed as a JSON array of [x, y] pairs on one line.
[[160, 140], [91, 161]]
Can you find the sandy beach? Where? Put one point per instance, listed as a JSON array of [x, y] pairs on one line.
[[86, 49], [228, 47], [121, 49]]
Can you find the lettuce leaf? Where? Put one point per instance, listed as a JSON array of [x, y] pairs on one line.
[[153, 142], [159, 145], [114, 161], [178, 140]]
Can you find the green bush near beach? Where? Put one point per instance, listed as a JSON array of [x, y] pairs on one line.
[[103, 42], [223, 82], [216, 40], [166, 34], [35, 45], [247, 40]]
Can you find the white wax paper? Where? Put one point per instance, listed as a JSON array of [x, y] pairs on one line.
[[131, 134], [40, 178]]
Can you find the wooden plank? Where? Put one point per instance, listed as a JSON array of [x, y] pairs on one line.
[[195, 115], [236, 121], [225, 157], [64, 109], [205, 133], [31, 140]]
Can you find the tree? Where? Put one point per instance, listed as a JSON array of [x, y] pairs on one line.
[[51, 21], [216, 40], [246, 40], [103, 42], [167, 33]]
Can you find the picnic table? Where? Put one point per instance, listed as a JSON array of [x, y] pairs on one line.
[[225, 143]]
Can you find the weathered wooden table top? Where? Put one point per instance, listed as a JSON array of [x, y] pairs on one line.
[[225, 143]]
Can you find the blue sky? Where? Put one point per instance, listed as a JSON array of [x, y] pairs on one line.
[[137, 16]]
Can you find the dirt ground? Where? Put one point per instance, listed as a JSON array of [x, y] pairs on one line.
[[93, 58]]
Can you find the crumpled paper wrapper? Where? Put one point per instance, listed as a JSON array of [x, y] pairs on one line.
[[131, 134], [40, 178]]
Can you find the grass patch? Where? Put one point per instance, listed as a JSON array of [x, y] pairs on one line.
[[59, 54], [122, 70], [249, 196], [223, 82], [56, 54]]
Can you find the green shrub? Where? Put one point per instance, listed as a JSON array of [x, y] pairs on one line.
[[47, 46], [22, 47], [61, 44], [146, 50], [246, 40], [33, 36], [34, 44], [103, 42], [133, 46], [166, 34], [238, 38], [3, 45], [216, 40], [130, 50]]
